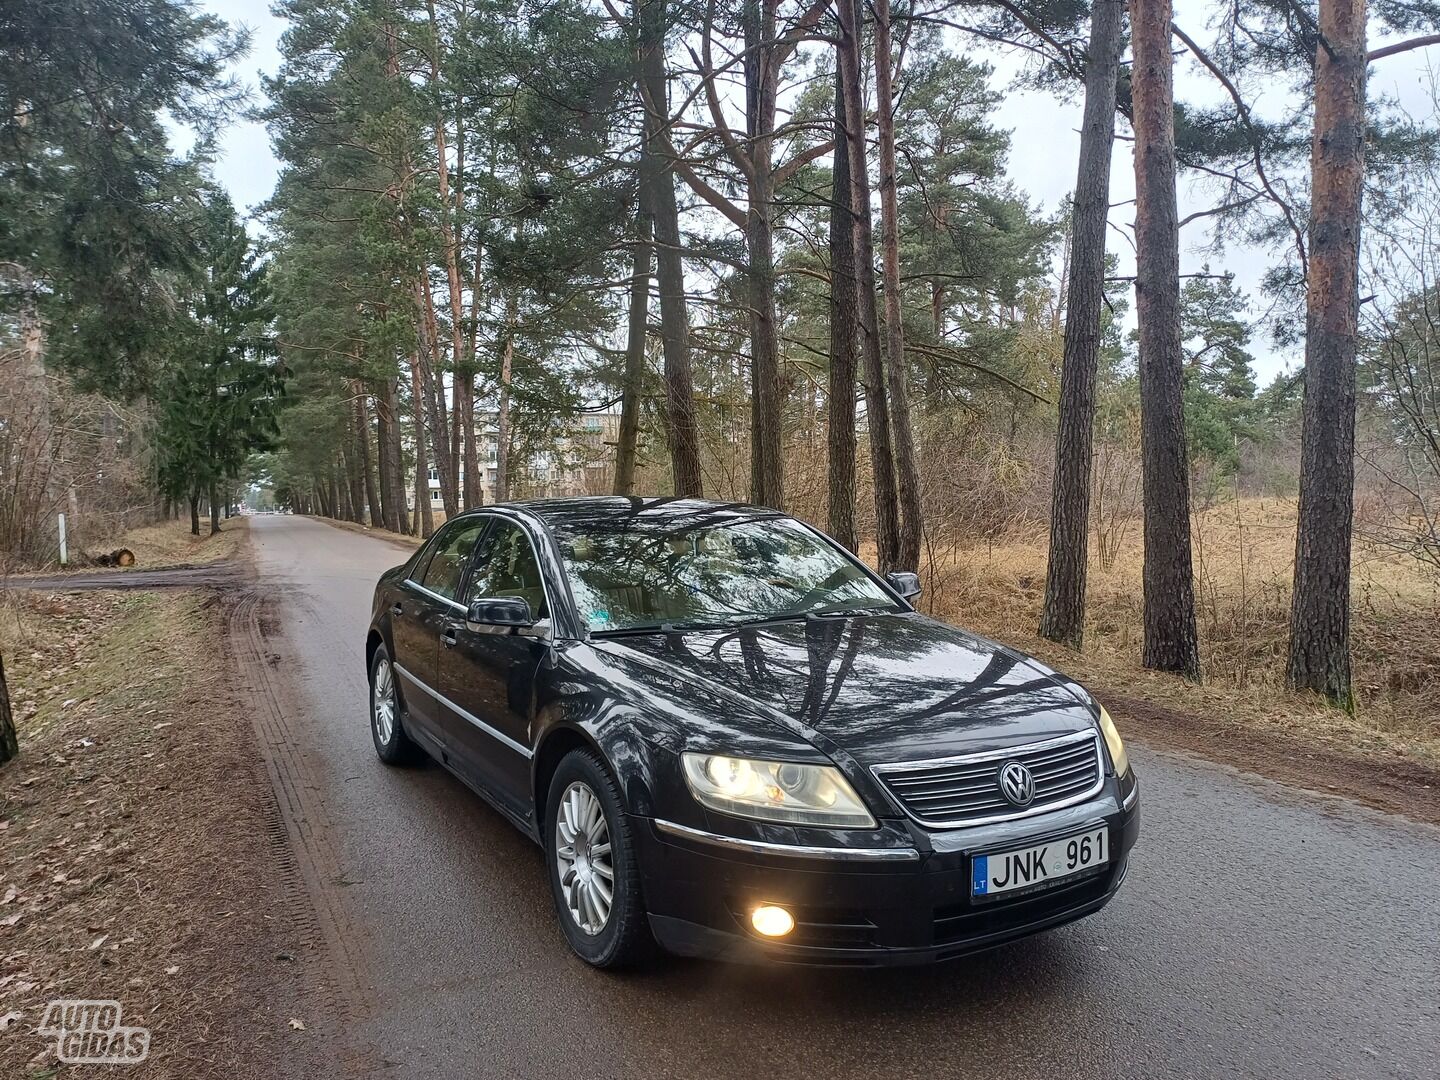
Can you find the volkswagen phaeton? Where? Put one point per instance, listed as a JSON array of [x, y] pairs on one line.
[[730, 737]]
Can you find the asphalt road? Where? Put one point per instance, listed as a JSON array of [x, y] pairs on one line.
[[1263, 932]]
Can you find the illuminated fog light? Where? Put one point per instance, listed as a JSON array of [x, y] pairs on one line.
[[772, 921]]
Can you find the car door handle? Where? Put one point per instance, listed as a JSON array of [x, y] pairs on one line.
[[397, 609], [448, 639]]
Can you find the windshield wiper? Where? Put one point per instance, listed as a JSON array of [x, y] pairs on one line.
[[696, 628], [840, 611]]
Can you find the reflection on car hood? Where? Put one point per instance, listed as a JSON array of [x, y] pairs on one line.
[[884, 688]]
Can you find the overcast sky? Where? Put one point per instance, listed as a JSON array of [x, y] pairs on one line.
[[1044, 143]]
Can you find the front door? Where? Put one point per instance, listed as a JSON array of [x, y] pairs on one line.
[[488, 676]]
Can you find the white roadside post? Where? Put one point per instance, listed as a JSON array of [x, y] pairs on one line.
[[64, 553]]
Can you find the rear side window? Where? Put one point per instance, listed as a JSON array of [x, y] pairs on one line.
[[452, 551]]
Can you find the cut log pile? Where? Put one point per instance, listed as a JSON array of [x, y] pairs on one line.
[[118, 557]]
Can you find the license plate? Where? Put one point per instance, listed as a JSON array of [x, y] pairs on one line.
[[1038, 866]]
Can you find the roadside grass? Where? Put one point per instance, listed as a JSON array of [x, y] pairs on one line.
[[1244, 557], [159, 546], [136, 862], [169, 543]]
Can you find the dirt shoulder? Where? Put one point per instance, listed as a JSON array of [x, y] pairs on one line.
[[143, 853], [1294, 739], [1393, 783], [408, 543]]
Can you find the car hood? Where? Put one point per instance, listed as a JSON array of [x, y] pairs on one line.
[[884, 688]]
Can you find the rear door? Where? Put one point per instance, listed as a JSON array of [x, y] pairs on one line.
[[488, 676], [423, 602]]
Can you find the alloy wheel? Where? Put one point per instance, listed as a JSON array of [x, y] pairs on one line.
[[383, 705], [582, 853]]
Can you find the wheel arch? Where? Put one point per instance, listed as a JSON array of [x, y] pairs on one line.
[[554, 746], [373, 641], [623, 754]]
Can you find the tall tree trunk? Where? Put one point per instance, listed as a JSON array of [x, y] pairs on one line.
[[906, 471], [502, 419], [766, 469], [1063, 617], [657, 192], [33, 495], [382, 467], [1320, 603], [347, 507], [877, 405], [844, 326], [355, 477], [194, 513], [634, 379], [447, 467], [457, 454], [425, 516], [214, 510], [1170, 636], [462, 365], [392, 478], [362, 443], [473, 486], [9, 742]]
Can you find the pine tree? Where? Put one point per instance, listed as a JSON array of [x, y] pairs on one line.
[[1171, 640], [1320, 602], [220, 394], [93, 204], [1063, 616]]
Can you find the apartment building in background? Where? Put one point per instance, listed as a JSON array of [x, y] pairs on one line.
[[580, 463]]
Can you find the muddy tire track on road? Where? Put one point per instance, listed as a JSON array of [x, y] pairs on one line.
[[302, 837]]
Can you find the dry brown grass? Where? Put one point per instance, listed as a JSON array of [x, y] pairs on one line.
[[1244, 552], [169, 543], [162, 545]]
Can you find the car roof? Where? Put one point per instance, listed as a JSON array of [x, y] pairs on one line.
[[590, 511]]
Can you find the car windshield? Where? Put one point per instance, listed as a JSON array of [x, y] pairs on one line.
[[640, 574]]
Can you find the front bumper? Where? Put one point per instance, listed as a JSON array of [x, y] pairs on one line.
[[858, 911]]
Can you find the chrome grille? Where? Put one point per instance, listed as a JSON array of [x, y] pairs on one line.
[[951, 792]]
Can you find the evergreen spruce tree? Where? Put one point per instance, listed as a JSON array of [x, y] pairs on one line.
[[219, 398]]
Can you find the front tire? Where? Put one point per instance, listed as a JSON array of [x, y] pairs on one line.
[[387, 729], [594, 877]]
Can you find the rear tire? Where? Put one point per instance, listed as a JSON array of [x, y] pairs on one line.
[[589, 853], [387, 727]]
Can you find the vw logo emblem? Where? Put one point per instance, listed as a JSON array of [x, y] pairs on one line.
[[1017, 784]]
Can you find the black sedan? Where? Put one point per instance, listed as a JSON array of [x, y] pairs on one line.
[[732, 738]]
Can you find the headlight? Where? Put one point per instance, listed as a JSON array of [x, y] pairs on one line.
[[775, 791], [1115, 743]]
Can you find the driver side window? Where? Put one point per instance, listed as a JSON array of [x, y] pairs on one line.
[[505, 566], [447, 565]]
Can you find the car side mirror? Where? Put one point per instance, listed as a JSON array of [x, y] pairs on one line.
[[499, 613], [904, 583]]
